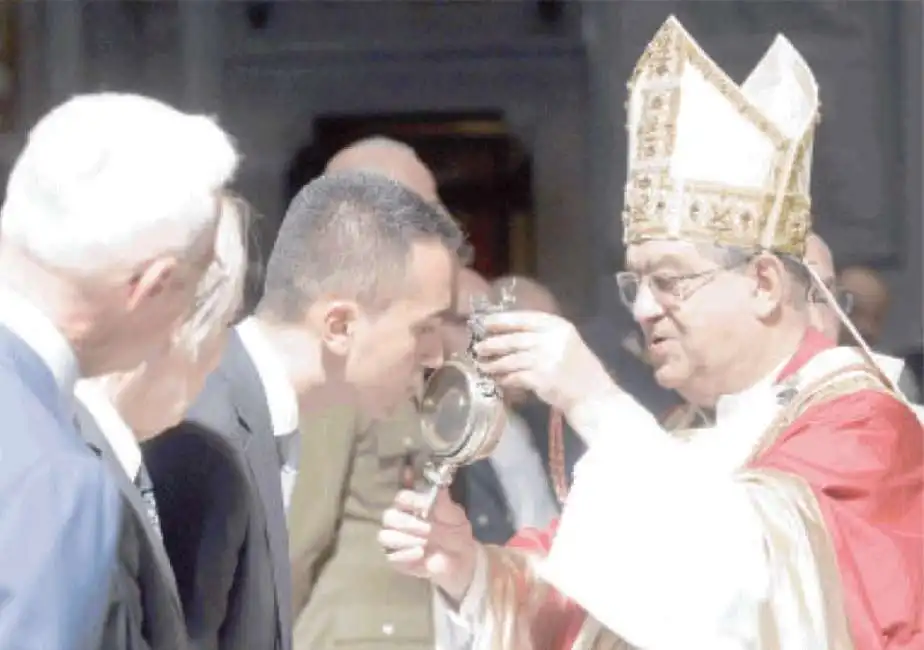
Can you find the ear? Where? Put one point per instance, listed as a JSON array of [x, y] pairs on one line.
[[338, 322], [151, 281], [770, 290]]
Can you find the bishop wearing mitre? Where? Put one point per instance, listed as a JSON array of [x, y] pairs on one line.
[[792, 522]]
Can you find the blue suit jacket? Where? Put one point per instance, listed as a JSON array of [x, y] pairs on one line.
[[59, 514]]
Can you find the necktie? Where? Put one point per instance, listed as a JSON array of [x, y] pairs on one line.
[[287, 447], [146, 488]]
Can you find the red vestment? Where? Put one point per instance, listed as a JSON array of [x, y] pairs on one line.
[[862, 455]]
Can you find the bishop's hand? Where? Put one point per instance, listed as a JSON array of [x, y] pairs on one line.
[[543, 353]]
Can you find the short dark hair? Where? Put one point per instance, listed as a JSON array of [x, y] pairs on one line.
[[349, 233]]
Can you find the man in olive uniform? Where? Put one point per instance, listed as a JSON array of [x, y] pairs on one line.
[[344, 593]]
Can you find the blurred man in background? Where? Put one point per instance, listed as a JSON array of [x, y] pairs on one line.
[[870, 302], [875, 299]]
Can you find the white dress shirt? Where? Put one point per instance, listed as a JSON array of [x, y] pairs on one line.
[[118, 434], [38, 332], [281, 399], [523, 478]]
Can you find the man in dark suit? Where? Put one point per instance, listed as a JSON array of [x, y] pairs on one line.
[[117, 411], [356, 287], [144, 606], [105, 237]]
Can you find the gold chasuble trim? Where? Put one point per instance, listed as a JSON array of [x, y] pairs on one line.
[[806, 604], [515, 595]]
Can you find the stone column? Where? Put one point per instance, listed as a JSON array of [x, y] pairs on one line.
[[63, 49], [201, 42]]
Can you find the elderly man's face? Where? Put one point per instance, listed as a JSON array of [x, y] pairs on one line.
[[158, 397], [694, 313]]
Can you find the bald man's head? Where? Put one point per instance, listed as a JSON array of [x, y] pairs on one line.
[[870, 300], [528, 294], [390, 158]]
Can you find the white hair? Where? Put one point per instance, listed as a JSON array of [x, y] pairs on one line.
[[111, 180], [221, 291], [219, 296]]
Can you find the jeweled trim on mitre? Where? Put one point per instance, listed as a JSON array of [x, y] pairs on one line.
[[659, 206], [711, 213], [663, 59]]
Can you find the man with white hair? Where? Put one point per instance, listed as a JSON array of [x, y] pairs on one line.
[[796, 520], [119, 410], [107, 228]]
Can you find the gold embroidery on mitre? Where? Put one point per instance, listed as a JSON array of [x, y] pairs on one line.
[[773, 211]]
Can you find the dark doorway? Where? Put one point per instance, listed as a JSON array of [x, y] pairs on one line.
[[482, 170]]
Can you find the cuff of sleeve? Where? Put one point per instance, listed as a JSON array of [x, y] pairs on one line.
[[603, 412], [468, 613]]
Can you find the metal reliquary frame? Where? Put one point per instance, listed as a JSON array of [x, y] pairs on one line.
[[462, 410]]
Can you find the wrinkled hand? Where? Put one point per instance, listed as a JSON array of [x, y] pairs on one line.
[[543, 353], [441, 549]]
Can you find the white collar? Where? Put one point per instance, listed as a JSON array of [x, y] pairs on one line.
[[733, 404], [740, 421], [281, 397], [110, 421], [37, 331]]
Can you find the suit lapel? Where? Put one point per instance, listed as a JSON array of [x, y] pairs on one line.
[[97, 441], [263, 461]]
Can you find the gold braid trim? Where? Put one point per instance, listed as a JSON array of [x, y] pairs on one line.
[[839, 383], [515, 595]]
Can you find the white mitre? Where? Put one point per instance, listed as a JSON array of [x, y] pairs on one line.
[[714, 162]]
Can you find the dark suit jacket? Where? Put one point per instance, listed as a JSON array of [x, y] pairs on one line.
[[59, 514], [144, 606], [479, 491], [220, 502]]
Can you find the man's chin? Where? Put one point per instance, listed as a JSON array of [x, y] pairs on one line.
[[669, 376]]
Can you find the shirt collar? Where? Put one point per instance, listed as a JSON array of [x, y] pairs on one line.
[[281, 397], [117, 432], [736, 403], [37, 331]]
